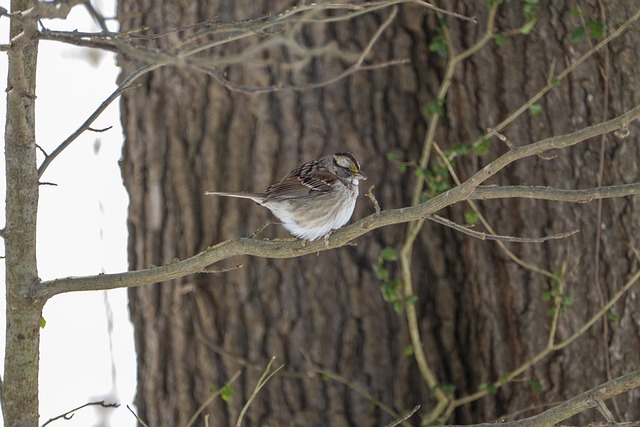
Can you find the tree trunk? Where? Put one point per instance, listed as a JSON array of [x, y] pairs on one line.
[[323, 317], [23, 313]]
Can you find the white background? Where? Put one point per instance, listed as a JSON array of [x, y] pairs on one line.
[[86, 353]]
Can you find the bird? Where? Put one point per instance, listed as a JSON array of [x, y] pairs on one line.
[[314, 199]]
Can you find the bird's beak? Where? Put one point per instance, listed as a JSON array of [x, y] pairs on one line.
[[360, 175]]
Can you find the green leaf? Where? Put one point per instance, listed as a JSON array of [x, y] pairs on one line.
[[488, 387], [402, 167], [448, 388], [555, 81], [441, 187], [546, 296], [471, 217], [596, 29], [408, 350], [391, 156], [528, 26], [462, 149], [614, 317], [411, 299], [421, 172], [578, 35], [226, 393], [551, 312], [438, 46], [389, 254], [382, 274], [530, 9], [535, 109], [434, 107], [574, 12], [500, 39], [388, 293], [43, 322], [398, 307], [482, 148], [536, 386], [441, 171], [568, 300]]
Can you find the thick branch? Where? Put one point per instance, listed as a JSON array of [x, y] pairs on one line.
[[296, 248]]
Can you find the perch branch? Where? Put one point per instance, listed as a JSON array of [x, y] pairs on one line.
[[289, 249]]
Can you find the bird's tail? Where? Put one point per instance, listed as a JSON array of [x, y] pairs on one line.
[[251, 196]]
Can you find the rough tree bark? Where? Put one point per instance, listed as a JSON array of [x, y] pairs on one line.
[[23, 314], [480, 314]]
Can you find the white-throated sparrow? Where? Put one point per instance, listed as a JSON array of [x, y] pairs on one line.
[[313, 199]]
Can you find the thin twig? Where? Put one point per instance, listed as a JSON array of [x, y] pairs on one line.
[[362, 391], [604, 411], [69, 414], [404, 418], [485, 236], [371, 197], [137, 417], [99, 130], [262, 227], [211, 398], [127, 84], [266, 376]]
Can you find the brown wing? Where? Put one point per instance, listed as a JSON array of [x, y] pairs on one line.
[[301, 183]]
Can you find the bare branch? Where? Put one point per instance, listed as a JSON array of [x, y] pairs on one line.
[[157, 59], [90, 40], [211, 398], [69, 414], [127, 84], [262, 89], [555, 194], [484, 236], [373, 199], [404, 418], [266, 376], [142, 423], [296, 248], [99, 130]]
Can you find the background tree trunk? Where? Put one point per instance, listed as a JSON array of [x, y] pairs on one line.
[[480, 314]]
